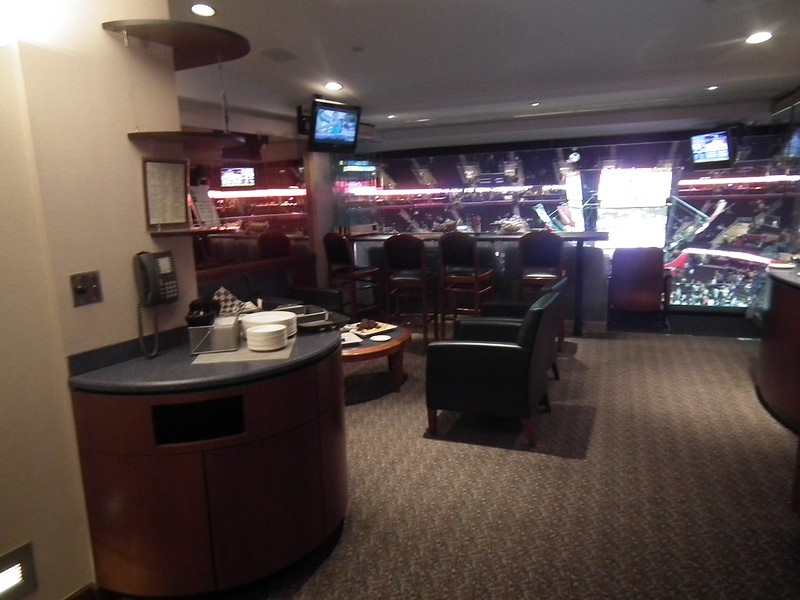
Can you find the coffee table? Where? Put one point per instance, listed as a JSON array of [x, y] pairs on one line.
[[391, 349]]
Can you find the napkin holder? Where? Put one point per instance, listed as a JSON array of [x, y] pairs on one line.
[[222, 336]]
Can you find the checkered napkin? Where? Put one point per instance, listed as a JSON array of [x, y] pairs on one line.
[[228, 303]]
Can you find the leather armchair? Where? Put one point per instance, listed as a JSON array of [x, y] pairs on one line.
[[501, 371], [510, 309]]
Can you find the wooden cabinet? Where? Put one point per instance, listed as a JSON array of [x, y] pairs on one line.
[[777, 376], [198, 492]]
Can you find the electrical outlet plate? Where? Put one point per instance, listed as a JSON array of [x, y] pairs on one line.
[[85, 288]]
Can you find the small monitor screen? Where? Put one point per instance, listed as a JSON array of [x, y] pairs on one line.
[[334, 127], [237, 176], [792, 149], [710, 148]]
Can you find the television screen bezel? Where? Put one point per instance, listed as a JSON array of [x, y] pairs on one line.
[[235, 167], [712, 164], [316, 144]]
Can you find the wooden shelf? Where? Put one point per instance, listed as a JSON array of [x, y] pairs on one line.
[[193, 44]]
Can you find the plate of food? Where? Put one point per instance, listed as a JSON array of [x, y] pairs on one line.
[[368, 327]]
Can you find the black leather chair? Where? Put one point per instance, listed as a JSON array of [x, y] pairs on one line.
[[356, 282], [515, 311], [500, 371], [462, 276]]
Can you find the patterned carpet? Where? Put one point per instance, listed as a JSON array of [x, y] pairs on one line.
[[657, 475]]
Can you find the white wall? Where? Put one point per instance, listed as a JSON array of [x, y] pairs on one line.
[[72, 201]]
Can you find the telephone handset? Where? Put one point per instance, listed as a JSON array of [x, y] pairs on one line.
[[156, 283], [156, 280]]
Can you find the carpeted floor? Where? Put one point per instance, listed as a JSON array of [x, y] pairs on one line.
[[657, 475]]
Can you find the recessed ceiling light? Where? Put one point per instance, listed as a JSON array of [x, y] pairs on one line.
[[711, 88], [333, 86], [203, 10], [759, 37], [535, 103], [391, 116]]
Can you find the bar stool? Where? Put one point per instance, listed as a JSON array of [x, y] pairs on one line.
[[353, 280], [541, 256], [409, 281], [462, 276]]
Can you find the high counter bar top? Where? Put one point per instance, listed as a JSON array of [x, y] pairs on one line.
[[570, 236], [172, 370]]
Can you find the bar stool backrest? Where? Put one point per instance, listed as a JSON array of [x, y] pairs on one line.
[[458, 249], [404, 252], [338, 250], [274, 244], [541, 249]]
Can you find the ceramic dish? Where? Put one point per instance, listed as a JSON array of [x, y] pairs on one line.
[[380, 338]]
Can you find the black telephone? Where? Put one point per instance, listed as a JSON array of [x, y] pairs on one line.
[[157, 284], [155, 278]]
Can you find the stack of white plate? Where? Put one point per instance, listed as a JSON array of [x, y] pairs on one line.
[[264, 338], [280, 317]]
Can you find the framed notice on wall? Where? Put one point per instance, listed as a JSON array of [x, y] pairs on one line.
[[165, 191]]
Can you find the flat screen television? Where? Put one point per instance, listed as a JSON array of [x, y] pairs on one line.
[[792, 147], [334, 127], [712, 150], [237, 177]]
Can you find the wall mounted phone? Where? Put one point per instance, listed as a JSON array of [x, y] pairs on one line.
[[155, 278], [157, 283]]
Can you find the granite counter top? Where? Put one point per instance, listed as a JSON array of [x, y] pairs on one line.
[[177, 370]]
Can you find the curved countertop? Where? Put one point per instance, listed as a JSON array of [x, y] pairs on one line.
[[788, 276], [175, 370]]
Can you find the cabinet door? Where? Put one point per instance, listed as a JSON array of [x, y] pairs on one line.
[[149, 524], [265, 504]]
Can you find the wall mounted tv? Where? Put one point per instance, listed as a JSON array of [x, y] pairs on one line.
[[712, 150], [334, 127], [792, 147], [237, 177]]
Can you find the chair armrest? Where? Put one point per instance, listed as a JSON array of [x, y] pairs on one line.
[[487, 329]]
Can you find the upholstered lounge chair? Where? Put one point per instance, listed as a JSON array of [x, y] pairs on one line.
[[491, 375]]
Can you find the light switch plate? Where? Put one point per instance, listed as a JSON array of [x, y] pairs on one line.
[[85, 288]]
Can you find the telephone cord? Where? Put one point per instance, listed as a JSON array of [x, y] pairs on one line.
[[154, 351]]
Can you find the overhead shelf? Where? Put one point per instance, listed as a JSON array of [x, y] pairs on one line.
[[193, 44]]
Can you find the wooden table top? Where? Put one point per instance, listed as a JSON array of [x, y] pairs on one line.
[[367, 349]]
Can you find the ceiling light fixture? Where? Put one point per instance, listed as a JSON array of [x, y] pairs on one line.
[[333, 86], [759, 37], [203, 10], [712, 88], [535, 103], [391, 116]]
